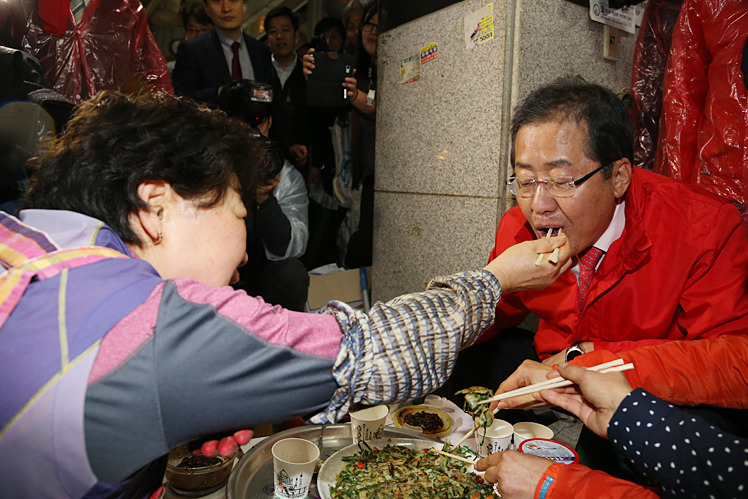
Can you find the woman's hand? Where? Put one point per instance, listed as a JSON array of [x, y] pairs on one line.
[[515, 474], [264, 189], [516, 270], [528, 373], [351, 83], [307, 62], [594, 399]]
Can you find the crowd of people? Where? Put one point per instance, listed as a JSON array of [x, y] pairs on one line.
[[156, 256]]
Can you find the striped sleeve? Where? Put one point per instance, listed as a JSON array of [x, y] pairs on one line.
[[407, 347]]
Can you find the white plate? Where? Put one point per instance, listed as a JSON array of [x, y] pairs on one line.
[[329, 471]]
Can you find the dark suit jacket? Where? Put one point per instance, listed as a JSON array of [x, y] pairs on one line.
[[289, 110], [201, 66]]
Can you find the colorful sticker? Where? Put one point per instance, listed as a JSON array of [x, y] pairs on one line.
[[429, 53], [479, 26], [623, 18], [410, 69]]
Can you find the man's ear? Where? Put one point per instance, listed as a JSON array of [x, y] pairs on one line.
[[155, 194], [621, 177]]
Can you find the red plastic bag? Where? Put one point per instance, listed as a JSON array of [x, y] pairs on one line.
[[703, 136], [112, 47], [650, 57]]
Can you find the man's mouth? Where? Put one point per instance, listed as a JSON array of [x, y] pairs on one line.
[[547, 231]]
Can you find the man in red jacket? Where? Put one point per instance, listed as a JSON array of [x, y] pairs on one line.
[[656, 260]]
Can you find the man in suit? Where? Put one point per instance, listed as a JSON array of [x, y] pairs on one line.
[[207, 63], [290, 126]]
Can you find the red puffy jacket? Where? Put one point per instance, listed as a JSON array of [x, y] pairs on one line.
[[713, 371]]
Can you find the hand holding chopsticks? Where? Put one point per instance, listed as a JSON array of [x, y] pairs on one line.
[[554, 256], [608, 367], [453, 456], [613, 366]]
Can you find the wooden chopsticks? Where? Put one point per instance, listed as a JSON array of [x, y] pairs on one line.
[[608, 367], [453, 456], [554, 256], [612, 366]]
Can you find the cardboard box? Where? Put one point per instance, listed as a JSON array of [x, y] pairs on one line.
[[344, 286]]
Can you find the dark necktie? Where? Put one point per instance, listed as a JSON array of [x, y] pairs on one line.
[[236, 68], [587, 263]]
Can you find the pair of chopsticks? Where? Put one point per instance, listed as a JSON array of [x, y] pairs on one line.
[[606, 367], [453, 456], [554, 256]]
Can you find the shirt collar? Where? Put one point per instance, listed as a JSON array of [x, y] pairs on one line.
[[284, 73], [615, 228], [227, 42]]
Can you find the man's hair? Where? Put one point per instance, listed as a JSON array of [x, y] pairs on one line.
[[610, 134], [330, 22], [196, 10], [115, 142], [281, 12], [353, 5]]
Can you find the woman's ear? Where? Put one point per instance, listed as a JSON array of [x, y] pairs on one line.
[[155, 194]]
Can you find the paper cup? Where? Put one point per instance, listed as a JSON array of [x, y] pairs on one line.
[[495, 438], [294, 460], [368, 424], [525, 430]]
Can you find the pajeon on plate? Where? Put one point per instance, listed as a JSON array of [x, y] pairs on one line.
[[399, 467], [435, 423]]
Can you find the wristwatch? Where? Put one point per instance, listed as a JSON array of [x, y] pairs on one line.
[[574, 351]]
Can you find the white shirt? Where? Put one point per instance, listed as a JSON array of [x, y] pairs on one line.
[[611, 234], [248, 73], [284, 73]]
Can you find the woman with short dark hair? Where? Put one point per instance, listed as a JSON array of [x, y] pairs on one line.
[[119, 339]]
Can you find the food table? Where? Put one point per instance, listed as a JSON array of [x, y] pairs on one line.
[[252, 475]]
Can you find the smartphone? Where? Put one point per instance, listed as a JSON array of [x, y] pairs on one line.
[[324, 87]]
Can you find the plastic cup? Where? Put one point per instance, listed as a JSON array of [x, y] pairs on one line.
[[495, 438], [525, 430], [294, 460], [368, 424]]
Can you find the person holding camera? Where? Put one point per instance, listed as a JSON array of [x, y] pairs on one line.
[[277, 221], [282, 28]]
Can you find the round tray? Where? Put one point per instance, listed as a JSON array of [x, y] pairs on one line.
[[253, 474]]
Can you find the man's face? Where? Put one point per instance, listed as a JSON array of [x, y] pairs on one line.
[[557, 149], [195, 28], [281, 37], [334, 39], [354, 19], [227, 15]]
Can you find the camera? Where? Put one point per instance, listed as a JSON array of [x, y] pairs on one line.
[[248, 100]]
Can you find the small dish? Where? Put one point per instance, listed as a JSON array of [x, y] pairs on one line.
[[399, 419], [198, 478]]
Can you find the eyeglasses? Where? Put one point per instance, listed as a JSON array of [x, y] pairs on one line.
[[369, 27], [558, 187]]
